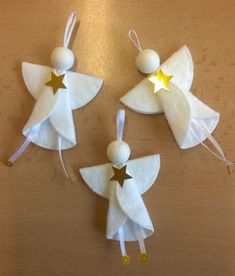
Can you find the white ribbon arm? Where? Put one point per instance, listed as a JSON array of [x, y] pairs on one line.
[[21, 149], [60, 156], [69, 28], [120, 123], [220, 154], [17, 154]]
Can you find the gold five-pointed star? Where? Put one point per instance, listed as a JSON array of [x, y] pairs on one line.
[[120, 175], [160, 81], [56, 82]]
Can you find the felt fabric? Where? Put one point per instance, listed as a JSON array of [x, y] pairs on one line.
[[126, 207], [52, 114], [185, 113]]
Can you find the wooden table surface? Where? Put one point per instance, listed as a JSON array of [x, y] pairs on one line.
[[51, 226]]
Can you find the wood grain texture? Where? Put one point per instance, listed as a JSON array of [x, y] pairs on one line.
[[50, 226]]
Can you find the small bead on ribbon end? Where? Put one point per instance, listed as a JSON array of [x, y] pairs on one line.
[[8, 163]]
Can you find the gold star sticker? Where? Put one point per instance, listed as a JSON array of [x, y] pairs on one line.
[[56, 82], [160, 81], [120, 175]]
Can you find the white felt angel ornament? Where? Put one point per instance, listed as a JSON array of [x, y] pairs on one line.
[[57, 92], [123, 182], [167, 90]]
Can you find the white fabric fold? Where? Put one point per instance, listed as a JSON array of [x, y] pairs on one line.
[[53, 114], [62, 118], [134, 208], [180, 109]]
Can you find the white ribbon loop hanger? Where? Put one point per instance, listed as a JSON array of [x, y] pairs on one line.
[[120, 123], [135, 40], [69, 28]]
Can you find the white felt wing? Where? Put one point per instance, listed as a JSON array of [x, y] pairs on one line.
[[82, 88], [142, 99], [180, 66], [35, 76], [144, 171], [97, 178]]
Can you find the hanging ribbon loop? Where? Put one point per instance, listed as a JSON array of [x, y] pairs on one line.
[[69, 28], [134, 39], [120, 123]]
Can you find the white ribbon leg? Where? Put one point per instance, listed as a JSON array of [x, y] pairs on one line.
[[122, 242], [142, 246], [21, 149], [125, 257], [60, 156], [220, 155], [143, 254]]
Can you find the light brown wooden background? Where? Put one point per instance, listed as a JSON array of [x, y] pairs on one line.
[[50, 226]]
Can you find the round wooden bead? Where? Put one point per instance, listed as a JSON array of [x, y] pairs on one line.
[[118, 152], [62, 58], [147, 61]]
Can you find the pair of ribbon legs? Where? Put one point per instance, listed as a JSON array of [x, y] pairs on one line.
[[125, 258]]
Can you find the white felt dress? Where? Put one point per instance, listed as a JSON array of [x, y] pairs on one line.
[[191, 120], [52, 115], [126, 207]]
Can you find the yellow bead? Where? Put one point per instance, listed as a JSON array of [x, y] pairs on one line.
[[143, 258], [125, 260], [9, 164]]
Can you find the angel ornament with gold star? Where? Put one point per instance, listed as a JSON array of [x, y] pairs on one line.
[[57, 92], [166, 90], [123, 182]]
